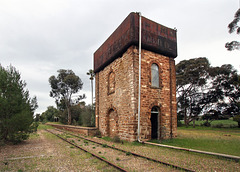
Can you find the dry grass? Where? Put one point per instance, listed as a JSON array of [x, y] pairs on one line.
[[45, 152]]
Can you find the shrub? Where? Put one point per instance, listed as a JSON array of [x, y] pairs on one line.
[[237, 119], [104, 145], [128, 153], [220, 125], [98, 134], [206, 124], [34, 126], [116, 139]]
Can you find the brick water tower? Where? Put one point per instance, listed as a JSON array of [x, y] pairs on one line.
[[116, 65]]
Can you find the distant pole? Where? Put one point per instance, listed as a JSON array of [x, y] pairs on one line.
[[91, 73]]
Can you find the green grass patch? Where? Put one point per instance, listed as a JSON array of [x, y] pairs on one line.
[[107, 138], [224, 141], [34, 136], [43, 127]]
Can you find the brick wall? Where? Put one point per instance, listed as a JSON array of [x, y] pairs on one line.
[[87, 131], [117, 96]]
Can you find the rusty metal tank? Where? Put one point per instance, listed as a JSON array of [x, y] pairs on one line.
[[155, 37]]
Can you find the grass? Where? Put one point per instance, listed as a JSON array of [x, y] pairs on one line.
[[219, 140], [43, 127]]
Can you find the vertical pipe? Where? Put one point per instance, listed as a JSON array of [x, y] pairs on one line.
[[139, 84], [171, 106]]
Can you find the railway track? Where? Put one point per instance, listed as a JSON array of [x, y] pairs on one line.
[[85, 150], [118, 157]]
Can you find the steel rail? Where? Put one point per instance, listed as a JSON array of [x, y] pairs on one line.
[[132, 153], [108, 162]]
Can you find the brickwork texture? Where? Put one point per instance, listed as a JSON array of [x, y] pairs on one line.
[[117, 97]]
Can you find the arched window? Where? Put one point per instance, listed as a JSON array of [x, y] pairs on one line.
[[111, 82], [155, 75]]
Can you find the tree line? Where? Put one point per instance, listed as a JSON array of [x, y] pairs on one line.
[[80, 115], [71, 110]]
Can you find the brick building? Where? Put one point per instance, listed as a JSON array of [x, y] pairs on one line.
[[116, 65]]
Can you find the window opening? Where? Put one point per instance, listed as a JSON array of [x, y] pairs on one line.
[[154, 122], [155, 75]]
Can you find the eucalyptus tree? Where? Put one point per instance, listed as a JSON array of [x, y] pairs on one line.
[[191, 78], [233, 26], [64, 86], [213, 92]]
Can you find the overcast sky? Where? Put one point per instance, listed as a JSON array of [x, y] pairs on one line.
[[38, 37]]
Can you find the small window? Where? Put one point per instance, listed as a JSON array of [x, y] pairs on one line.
[[155, 75], [111, 83]]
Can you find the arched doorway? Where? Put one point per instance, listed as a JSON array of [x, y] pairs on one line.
[[112, 123], [155, 122]]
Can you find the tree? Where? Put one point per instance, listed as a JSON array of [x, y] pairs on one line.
[[16, 107], [191, 78], [233, 26], [225, 87], [92, 75], [50, 114], [213, 92], [63, 87], [37, 117]]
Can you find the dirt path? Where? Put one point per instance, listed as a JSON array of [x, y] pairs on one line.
[[45, 152]]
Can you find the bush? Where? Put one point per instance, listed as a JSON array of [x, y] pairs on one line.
[[34, 126], [206, 124], [220, 125], [98, 134], [116, 139], [237, 119]]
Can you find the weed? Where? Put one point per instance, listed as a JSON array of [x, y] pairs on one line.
[[128, 153], [104, 145], [103, 157], [99, 152], [94, 148], [106, 138], [118, 159], [72, 147], [73, 141]]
